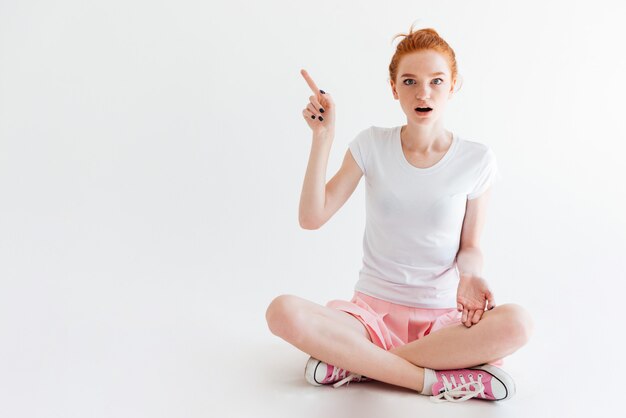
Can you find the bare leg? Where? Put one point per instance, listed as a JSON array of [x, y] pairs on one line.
[[499, 333], [338, 338]]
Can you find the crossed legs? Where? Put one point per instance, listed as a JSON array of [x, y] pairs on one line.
[[340, 339]]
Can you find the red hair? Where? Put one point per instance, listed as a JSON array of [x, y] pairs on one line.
[[423, 39]]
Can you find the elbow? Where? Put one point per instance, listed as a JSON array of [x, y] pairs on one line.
[[309, 223]]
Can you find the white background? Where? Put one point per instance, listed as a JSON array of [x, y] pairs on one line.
[[151, 159]]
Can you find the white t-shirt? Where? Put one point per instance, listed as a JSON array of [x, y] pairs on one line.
[[414, 216]]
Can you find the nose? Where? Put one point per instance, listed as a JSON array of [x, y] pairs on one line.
[[422, 92]]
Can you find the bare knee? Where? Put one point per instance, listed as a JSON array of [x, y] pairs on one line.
[[284, 317], [517, 324]]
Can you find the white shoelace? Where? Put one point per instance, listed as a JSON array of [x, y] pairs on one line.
[[348, 379], [454, 392]]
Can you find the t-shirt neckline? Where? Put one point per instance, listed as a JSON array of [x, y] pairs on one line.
[[397, 143]]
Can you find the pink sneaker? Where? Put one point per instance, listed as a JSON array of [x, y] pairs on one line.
[[486, 382], [319, 373]]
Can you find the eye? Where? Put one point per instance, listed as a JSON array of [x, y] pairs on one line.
[[439, 80], [408, 79]]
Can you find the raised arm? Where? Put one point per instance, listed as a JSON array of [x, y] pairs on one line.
[[319, 201]]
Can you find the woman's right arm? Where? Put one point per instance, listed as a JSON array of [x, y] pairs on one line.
[[320, 201]]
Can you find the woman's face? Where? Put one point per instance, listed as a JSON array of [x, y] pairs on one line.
[[423, 80]]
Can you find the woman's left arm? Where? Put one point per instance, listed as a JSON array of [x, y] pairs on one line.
[[469, 261], [473, 292]]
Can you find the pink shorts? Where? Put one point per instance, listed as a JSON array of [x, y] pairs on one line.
[[391, 325]]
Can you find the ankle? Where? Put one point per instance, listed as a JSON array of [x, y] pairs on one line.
[[428, 380]]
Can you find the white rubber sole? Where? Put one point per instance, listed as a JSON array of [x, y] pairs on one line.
[[310, 369], [504, 386]]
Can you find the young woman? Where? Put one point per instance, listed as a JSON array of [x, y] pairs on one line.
[[422, 316]]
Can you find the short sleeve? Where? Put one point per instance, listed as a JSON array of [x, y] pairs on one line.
[[359, 147], [487, 174]]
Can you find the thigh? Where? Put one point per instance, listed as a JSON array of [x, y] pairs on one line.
[[291, 305], [343, 317], [452, 343]]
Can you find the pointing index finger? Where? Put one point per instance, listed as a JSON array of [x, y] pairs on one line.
[[310, 82]]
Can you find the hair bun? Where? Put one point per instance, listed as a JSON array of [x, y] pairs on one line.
[[426, 30]]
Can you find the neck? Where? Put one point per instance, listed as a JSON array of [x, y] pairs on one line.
[[425, 139]]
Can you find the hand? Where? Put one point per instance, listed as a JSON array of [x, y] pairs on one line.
[[472, 295], [316, 102]]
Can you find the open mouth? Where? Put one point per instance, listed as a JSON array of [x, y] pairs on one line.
[[423, 109]]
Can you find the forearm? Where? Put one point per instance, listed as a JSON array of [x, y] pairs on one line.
[[313, 196], [469, 261]]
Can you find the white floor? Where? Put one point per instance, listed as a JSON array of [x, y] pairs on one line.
[[168, 359], [266, 379]]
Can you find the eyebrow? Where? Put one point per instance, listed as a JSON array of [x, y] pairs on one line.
[[413, 75]]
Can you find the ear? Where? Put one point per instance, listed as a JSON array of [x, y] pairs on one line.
[[454, 82], [393, 90], [451, 93]]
